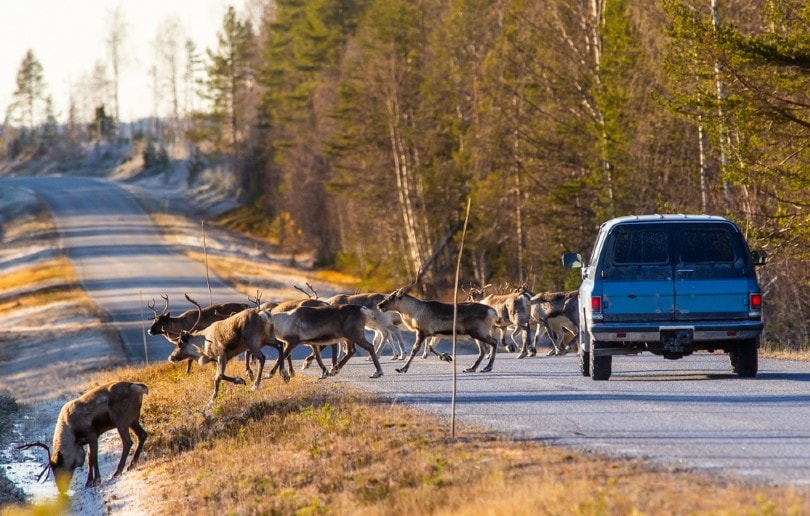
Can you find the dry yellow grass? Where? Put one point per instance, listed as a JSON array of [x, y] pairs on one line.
[[58, 269], [43, 283], [314, 447]]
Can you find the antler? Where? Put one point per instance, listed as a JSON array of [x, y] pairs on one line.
[[199, 313], [302, 290], [47, 469], [151, 306], [309, 286], [257, 300]]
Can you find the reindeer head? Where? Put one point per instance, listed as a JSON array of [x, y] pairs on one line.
[[184, 347], [63, 463], [392, 300], [159, 324]]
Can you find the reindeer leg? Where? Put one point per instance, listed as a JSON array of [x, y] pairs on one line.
[[248, 370], [93, 475], [126, 445], [258, 354], [363, 343], [416, 346], [316, 352], [527, 336], [188, 366], [428, 347], [334, 349], [481, 352], [308, 360], [349, 354], [494, 346], [502, 336], [141, 434], [285, 356]]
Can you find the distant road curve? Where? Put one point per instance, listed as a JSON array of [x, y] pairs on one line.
[[119, 257]]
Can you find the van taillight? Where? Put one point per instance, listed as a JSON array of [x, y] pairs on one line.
[[596, 304], [756, 302]]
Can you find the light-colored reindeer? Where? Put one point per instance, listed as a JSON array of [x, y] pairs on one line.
[[429, 318], [326, 325]]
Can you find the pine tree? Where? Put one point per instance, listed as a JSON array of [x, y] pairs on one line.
[[30, 92], [229, 75]]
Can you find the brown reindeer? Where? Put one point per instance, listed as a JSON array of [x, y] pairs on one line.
[[429, 318], [248, 330], [81, 422], [171, 327], [325, 325]]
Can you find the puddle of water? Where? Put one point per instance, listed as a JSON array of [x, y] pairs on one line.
[[22, 467]]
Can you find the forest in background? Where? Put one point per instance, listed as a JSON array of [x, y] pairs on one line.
[[358, 129]]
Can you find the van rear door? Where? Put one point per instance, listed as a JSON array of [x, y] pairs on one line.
[[712, 273], [637, 274]]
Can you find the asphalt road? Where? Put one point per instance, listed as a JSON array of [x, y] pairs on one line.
[[690, 413], [121, 261]]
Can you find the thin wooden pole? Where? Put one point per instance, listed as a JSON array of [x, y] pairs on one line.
[[143, 330], [455, 317], [207, 276]]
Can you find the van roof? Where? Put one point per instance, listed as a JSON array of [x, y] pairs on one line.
[[663, 217]]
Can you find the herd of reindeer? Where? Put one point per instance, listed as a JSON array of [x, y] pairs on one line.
[[220, 332]]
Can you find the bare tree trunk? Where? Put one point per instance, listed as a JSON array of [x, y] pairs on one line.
[[725, 140], [115, 42], [404, 189], [518, 191], [597, 22]]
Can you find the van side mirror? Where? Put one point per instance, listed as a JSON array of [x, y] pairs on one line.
[[759, 256], [572, 260]]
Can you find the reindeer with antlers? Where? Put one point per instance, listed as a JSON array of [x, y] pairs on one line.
[[83, 420], [248, 330], [171, 327]]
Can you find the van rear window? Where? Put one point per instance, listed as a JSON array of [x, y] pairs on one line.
[[639, 247], [706, 246]]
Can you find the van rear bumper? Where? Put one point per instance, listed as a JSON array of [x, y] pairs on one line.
[[703, 331]]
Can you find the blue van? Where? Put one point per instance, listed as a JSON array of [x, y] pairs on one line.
[[670, 285]]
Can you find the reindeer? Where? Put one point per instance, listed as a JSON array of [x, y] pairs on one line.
[[559, 313], [386, 331], [171, 327], [322, 325], [428, 318], [248, 330], [286, 306], [81, 422], [512, 309]]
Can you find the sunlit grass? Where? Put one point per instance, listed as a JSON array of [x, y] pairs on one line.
[[314, 447], [58, 269], [47, 282]]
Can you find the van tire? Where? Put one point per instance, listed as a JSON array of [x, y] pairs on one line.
[[600, 365], [585, 362], [744, 359]]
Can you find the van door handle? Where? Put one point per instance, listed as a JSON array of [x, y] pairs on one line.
[[685, 270]]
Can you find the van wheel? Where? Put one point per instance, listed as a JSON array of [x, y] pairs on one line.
[[744, 360], [584, 362], [600, 366]]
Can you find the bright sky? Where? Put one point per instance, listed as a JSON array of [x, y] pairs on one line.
[[69, 36]]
